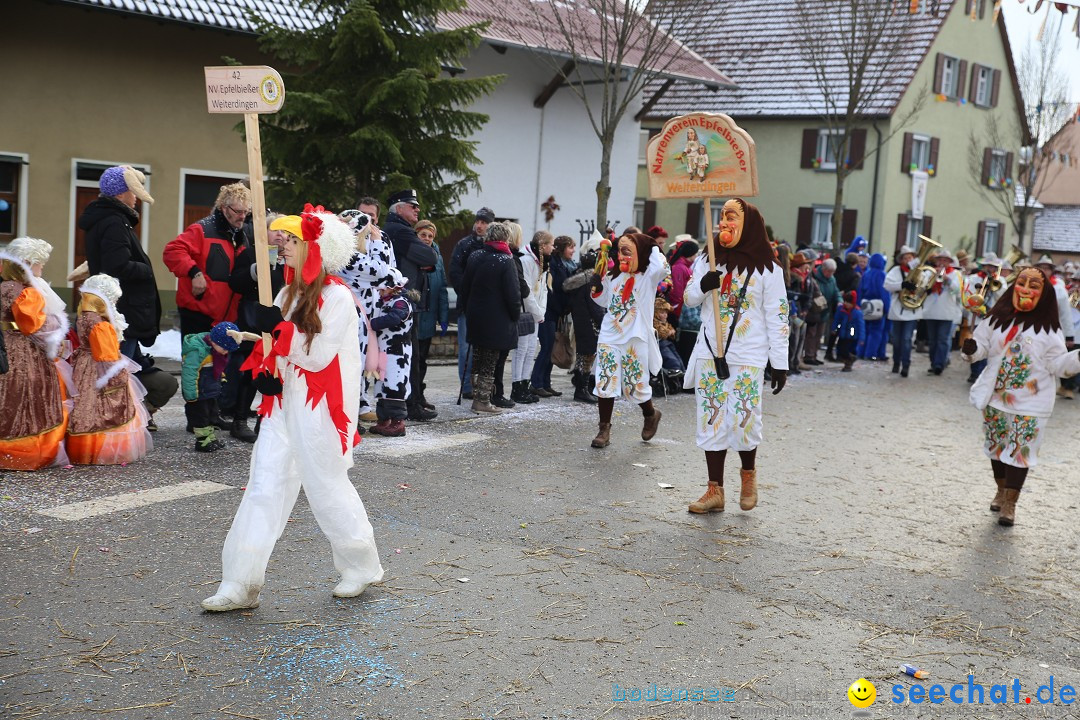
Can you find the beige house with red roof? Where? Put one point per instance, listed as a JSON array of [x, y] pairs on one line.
[[1057, 229]]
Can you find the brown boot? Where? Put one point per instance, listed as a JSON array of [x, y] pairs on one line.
[[995, 504], [603, 438], [1008, 507], [748, 495], [711, 501], [648, 430], [484, 407]]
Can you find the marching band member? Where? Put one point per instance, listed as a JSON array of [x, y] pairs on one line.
[[976, 300], [309, 418], [941, 310], [1023, 342], [754, 329], [903, 318]]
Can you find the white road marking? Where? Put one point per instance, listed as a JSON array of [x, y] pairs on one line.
[[127, 501], [414, 443]]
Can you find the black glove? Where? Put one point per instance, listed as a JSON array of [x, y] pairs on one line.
[[597, 284], [779, 380], [970, 346], [267, 318], [267, 384], [908, 285], [710, 280]]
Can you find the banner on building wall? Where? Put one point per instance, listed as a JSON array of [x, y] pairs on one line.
[[919, 185], [702, 155]]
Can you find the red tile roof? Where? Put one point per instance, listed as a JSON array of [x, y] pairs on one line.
[[755, 42]]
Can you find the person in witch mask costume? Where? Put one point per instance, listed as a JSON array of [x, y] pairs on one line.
[[627, 352], [728, 379], [1025, 348]]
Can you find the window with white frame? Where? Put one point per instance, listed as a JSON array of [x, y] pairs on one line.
[[821, 228], [920, 151], [950, 76], [984, 82], [914, 230], [643, 143], [997, 166], [991, 239], [639, 213], [827, 143], [717, 210]]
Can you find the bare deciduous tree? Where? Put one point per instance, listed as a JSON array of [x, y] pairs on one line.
[[858, 52], [1044, 89], [605, 52]]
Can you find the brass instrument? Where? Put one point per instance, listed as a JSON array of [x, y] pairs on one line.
[[1015, 255], [976, 301], [1074, 298], [922, 277]]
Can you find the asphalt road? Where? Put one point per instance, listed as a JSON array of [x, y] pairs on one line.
[[529, 576]]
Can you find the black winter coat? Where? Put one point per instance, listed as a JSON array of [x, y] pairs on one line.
[[113, 248], [411, 254], [846, 277], [491, 299], [459, 259], [241, 283]]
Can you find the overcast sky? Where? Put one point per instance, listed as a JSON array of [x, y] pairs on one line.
[[1024, 26]]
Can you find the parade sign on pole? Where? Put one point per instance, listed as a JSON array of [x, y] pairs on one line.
[[703, 155], [250, 90]]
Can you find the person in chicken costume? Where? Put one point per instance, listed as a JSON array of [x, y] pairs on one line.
[[310, 386], [627, 353], [754, 329], [1025, 348]]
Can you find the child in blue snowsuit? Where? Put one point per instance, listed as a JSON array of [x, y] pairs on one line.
[[849, 328]]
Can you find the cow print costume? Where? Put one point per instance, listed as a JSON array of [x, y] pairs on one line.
[[365, 274], [393, 321]]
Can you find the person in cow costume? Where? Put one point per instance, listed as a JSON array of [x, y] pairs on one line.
[[309, 382]]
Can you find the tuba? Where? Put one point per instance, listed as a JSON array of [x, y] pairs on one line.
[[923, 276], [1015, 255]]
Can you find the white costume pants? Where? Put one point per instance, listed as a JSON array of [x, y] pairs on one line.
[[521, 364], [621, 369], [281, 462], [728, 411]]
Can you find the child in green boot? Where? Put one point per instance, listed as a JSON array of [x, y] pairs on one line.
[[203, 367]]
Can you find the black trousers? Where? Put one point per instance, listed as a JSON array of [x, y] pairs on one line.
[[417, 371], [198, 412], [500, 370]]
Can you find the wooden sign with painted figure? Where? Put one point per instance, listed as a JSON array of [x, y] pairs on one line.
[[702, 155], [250, 90]]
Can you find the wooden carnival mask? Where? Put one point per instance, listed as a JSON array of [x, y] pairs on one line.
[[1028, 289], [732, 218], [628, 255]]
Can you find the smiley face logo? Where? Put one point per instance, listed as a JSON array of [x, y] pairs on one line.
[[862, 693]]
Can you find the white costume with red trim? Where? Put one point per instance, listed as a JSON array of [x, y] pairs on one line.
[[306, 438]]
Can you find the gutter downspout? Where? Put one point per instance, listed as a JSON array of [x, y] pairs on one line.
[[539, 164], [873, 196]]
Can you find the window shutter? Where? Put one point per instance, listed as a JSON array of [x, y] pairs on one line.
[[982, 9], [961, 75], [988, 157], [809, 148], [857, 148], [980, 240], [905, 156], [928, 226], [934, 144], [693, 219], [649, 217], [994, 89], [973, 86], [804, 226], [1008, 165], [939, 72], [969, 7], [901, 230], [847, 226]]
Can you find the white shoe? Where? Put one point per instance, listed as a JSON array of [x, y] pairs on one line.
[[224, 603], [349, 588]]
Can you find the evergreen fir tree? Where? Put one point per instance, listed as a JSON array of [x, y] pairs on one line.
[[368, 108]]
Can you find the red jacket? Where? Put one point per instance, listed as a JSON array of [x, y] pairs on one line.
[[209, 246]]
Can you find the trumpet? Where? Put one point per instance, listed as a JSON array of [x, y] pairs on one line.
[[922, 277], [1074, 299], [976, 301]]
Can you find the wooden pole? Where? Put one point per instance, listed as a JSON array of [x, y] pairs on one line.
[[258, 215], [715, 295]]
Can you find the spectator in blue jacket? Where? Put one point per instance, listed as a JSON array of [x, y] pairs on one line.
[[437, 315], [850, 329]]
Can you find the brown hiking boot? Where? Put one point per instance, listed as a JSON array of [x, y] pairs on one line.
[[748, 495], [711, 501], [652, 422], [1008, 507], [484, 407], [603, 438], [999, 496]]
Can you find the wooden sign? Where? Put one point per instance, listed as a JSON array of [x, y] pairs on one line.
[[243, 89], [250, 90], [702, 155]]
